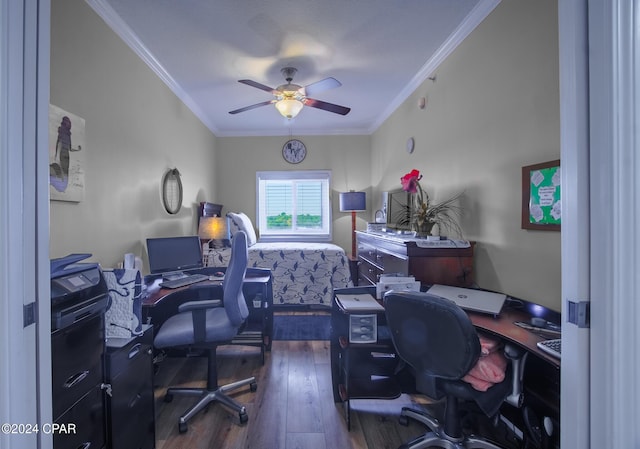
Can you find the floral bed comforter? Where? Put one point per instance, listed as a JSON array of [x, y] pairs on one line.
[[303, 273]]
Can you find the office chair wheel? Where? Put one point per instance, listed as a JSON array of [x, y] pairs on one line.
[[243, 417], [403, 420], [182, 427], [253, 386], [168, 397]]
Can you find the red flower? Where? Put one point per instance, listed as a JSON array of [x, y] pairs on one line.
[[410, 181]]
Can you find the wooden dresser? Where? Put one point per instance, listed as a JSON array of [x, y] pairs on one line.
[[378, 254]]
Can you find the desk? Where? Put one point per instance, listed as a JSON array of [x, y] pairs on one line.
[[352, 365], [161, 303]]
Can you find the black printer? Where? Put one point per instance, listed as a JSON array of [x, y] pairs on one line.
[[77, 290]]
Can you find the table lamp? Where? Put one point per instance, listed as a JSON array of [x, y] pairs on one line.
[[353, 202], [213, 229]]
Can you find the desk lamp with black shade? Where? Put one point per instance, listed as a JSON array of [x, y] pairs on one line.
[[353, 202]]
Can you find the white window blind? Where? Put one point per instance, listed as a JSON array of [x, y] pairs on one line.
[[294, 205]]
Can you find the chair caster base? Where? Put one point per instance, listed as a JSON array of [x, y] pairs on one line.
[[244, 418], [168, 397], [253, 387], [182, 427]]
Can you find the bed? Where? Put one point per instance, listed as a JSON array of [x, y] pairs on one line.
[[304, 274]]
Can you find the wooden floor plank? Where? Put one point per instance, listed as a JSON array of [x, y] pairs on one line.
[[306, 441], [303, 410], [268, 419]]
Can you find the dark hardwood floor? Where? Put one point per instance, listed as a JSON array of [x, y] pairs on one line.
[[292, 408]]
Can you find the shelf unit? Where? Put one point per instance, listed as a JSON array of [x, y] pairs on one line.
[[360, 370]]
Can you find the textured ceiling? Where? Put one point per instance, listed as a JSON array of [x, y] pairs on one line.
[[380, 50]]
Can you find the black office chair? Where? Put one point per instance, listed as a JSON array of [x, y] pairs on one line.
[[206, 324], [437, 339]]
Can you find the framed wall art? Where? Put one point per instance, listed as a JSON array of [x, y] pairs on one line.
[[541, 208], [66, 155]]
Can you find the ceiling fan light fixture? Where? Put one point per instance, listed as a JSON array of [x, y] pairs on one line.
[[290, 98], [289, 107]]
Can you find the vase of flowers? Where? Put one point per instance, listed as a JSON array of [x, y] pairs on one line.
[[423, 215]]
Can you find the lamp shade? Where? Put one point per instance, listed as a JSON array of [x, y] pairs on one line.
[[353, 201], [289, 107], [213, 228]]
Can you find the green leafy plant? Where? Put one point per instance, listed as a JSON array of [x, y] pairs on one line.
[[422, 215]]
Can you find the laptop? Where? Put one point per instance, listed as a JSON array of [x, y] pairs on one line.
[[471, 299]]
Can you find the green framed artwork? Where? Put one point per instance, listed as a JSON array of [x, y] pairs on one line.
[[541, 196]]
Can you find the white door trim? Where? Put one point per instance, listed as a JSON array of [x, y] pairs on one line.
[[25, 347], [614, 48], [574, 160]]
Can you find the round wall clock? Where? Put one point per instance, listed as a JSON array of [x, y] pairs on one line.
[[294, 151], [172, 191]]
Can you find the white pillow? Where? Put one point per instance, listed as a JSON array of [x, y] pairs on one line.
[[241, 222]]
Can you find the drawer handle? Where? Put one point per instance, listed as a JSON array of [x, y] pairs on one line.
[[72, 381], [135, 350], [135, 400]]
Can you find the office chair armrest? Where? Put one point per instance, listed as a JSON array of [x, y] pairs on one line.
[[198, 311], [198, 305]]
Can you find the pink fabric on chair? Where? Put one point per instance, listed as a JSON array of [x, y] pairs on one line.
[[477, 384], [490, 367], [488, 345]]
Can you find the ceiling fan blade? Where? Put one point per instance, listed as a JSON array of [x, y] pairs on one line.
[[327, 106], [253, 106], [258, 85], [322, 85]]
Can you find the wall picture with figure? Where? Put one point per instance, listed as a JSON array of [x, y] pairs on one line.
[[66, 155]]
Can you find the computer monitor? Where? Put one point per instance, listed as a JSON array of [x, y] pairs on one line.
[[398, 206], [174, 254]]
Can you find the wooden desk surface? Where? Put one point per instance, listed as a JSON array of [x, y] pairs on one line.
[[155, 293], [504, 327]]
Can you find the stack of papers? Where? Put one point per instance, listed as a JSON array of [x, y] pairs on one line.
[[396, 282], [359, 303]]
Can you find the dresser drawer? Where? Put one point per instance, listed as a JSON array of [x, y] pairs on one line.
[[367, 252], [367, 272], [390, 263]]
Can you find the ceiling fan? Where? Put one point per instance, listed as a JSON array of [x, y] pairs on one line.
[[290, 98]]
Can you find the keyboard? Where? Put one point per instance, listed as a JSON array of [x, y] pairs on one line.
[[181, 282], [552, 347]]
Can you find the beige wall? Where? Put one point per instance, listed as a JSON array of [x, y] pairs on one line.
[[348, 157], [493, 108], [136, 128]]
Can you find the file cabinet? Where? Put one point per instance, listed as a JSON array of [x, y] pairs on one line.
[[130, 403]]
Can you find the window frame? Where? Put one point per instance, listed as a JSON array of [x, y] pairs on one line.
[[295, 175]]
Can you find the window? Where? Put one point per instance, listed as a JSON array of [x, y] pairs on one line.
[[294, 205]]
